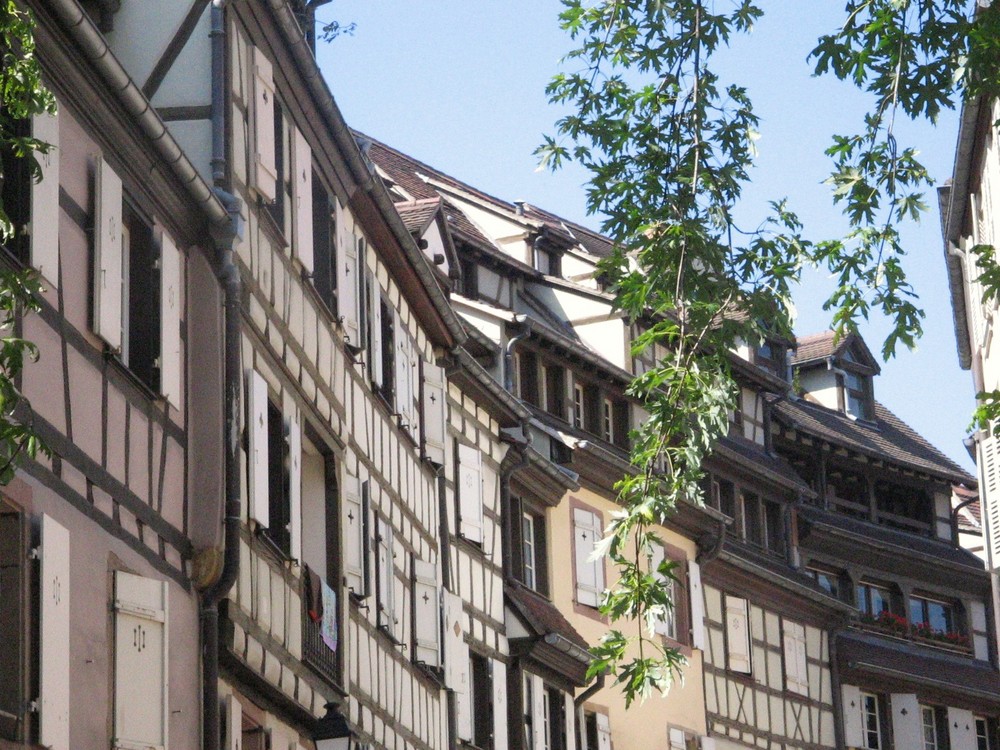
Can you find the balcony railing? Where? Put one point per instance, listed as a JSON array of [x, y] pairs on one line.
[[315, 653]]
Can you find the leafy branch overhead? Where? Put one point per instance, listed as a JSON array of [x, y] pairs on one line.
[[668, 144]]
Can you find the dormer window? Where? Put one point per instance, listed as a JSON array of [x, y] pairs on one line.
[[545, 260], [856, 395], [770, 356]]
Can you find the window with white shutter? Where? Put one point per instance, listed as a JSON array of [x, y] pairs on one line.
[[302, 200], [855, 719], [737, 634], [907, 726], [990, 483], [45, 201], [587, 532], [457, 666], [377, 334], [435, 412], [170, 320], [265, 170], [426, 613], [257, 458], [667, 625], [141, 654], [54, 629], [348, 268], [796, 668], [295, 485], [470, 493], [539, 712], [385, 575], [697, 599], [108, 254], [603, 732], [355, 535], [500, 735]]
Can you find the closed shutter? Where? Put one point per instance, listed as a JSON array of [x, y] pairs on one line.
[[426, 613], [265, 172], [347, 275], [539, 712], [990, 478], [354, 536], [375, 353], [853, 710], [295, 485], [603, 732], [457, 666], [54, 635], [907, 724], [386, 586], [587, 532], [737, 634], [258, 448], [14, 536], [45, 202], [499, 681], [401, 369], [108, 239], [233, 712], [665, 625], [961, 729], [302, 197], [170, 320], [435, 416], [794, 641], [697, 605], [140, 663], [470, 492]]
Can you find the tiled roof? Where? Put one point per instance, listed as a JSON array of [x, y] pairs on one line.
[[541, 615], [752, 455], [889, 438], [417, 214], [819, 346]]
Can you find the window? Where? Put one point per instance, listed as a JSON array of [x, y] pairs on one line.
[[279, 505], [281, 208], [608, 421], [385, 576], [555, 719], [763, 522], [737, 634], [469, 487], [545, 261], [796, 664], [857, 395], [528, 377], [929, 724], [15, 188], [15, 646], [426, 614], [578, 408], [324, 231], [827, 581], [587, 532], [482, 702], [141, 322], [533, 555], [873, 600], [983, 734], [871, 721], [387, 360], [750, 416], [770, 355], [470, 278], [933, 615], [555, 390]]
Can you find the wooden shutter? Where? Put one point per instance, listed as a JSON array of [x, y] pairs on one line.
[[697, 605], [538, 711], [401, 374], [457, 667], [354, 536], [853, 710], [375, 353], [54, 635], [603, 732], [259, 490], [587, 532], [45, 201], [499, 681], [990, 483], [265, 171], [386, 585], [470, 492], [108, 254], [737, 634], [435, 416], [233, 712], [295, 485], [907, 722], [347, 274], [663, 625], [796, 672], [170, 320], [426, 613], [302, 196], [961, 729], [140, 663]]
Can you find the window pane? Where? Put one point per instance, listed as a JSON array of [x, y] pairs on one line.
[[940, 616], [916, 610], [528, 545], [880, 600]]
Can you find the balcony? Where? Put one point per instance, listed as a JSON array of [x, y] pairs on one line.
[[897, 627], [323, 660]]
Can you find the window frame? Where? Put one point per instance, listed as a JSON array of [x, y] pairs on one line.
[[867, 735]]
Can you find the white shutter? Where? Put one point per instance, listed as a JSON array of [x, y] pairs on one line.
[[426, 613], [140, 663], [961, 729], [603, 732], [677, 739], [347, 275], [108, 254], [853, 710], [302, 227], [374, 299], [401, 374], [794, 641], [457, 667], [54, 635], [265, 172], [470, 492], [663, 625], [907, 722], [295, 484], [738, 634], [435, 417], [45, 201], [170, 320], [234, 724], [587, 532], [697, 605], [386, 578], [538, 712], [499, 682], [569, 713], [354, 536], [990, 496], [259, 490]]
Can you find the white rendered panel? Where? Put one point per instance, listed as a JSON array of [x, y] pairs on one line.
[[54, 635], [170, 321], [45, 202], [108, 254], [258, 457], [302, 196]]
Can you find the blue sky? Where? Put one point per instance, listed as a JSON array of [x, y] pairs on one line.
[[460, 85]]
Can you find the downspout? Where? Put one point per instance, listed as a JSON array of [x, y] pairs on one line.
[[954, 517], [508, 352], [229, 276], [837, 694]]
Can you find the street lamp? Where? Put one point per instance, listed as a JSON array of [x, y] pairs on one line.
[[332, 731]]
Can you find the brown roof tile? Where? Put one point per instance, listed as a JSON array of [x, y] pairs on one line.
[[541, 615], [417, 214]]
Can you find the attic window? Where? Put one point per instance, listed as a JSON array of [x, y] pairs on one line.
[[546, 261], [856, 394], [770, 356]]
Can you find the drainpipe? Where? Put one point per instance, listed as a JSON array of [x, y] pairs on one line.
[[954, 517], [508, 353], [229, 276], [838, 695]]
